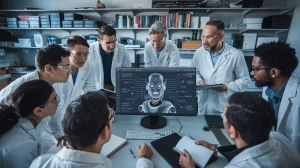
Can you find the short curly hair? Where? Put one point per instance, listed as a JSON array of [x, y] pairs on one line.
[[278, 55]]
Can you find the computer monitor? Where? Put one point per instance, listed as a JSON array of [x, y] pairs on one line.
[[156, 92]]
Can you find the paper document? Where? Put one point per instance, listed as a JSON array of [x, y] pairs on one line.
[[113, 145], [200, 154], [208, 87]]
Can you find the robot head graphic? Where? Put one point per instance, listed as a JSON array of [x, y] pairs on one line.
[[156, 86]]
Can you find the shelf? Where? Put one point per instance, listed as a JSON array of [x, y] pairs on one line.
[[6, 28], [21, 72], [229, 29], [267, 9], [180, 49]]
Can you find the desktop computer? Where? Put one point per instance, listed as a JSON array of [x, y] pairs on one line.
[[156, 92]]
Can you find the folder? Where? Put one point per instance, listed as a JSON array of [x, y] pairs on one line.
[[164, 147]]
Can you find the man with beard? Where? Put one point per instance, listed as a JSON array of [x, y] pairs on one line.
[[273, 66], [217, 62]]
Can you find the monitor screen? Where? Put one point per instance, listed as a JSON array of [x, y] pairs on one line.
[[156, 91]]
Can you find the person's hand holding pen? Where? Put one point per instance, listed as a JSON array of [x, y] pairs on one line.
[[144, 151]]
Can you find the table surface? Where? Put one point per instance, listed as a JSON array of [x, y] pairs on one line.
[[191, 126]]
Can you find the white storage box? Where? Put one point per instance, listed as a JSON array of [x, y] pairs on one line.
[[249, 40], [252, 20]]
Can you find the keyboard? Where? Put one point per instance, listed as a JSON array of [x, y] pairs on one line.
[[147, 134]]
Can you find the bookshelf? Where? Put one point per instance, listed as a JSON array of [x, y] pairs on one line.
[[228, 15]]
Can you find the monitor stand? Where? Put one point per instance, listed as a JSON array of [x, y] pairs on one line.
[[153, 122]]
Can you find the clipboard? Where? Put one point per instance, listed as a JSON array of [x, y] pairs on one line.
[[208, 87], [106, 93]]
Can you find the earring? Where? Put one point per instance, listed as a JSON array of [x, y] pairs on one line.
[[273, 76]]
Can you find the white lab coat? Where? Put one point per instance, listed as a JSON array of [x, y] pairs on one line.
[[230, 69], [289, 111], [79, 159], [120, 59], [85, 82], [20, 145], [277, 152], [169, 56], [54, 121]]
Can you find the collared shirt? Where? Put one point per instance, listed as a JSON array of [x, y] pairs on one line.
[[215, 57], [74, 77], [231, 151], [106, 62], [275, 97]]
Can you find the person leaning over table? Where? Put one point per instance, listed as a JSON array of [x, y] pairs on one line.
[[53, 66], [20, 134], [160, 52], [248, 121], [273, 66], [87, 124]]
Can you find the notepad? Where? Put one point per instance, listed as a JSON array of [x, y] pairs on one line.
[[201, 155], [113, 145]]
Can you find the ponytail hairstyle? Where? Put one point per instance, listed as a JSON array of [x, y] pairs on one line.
[[24, 100]]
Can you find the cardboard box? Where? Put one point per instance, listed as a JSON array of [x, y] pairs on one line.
[[4, 77], [191, 44]]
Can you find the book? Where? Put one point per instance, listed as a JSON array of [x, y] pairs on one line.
[[113, 145], [204, 87], [200, 154]]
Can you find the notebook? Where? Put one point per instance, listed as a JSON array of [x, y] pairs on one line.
[[113, 145], [200, 154]]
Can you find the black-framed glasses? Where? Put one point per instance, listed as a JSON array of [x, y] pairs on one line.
[[257, 69]]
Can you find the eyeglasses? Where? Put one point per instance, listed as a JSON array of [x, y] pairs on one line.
[[158, 42], [80, 54], [51, 102], [257, 69], [209, 38], [112, 114], [65, 67], [112, 117], [113, 43]]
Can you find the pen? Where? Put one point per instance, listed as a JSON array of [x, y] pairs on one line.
[[132, 153]]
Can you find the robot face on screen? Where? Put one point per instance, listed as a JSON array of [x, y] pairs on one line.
[[156, 86]]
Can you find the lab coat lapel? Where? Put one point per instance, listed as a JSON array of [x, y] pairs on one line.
[[208, 62], [286, 100], [163, 52]]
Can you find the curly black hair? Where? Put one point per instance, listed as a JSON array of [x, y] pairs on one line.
[[278, 55]]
